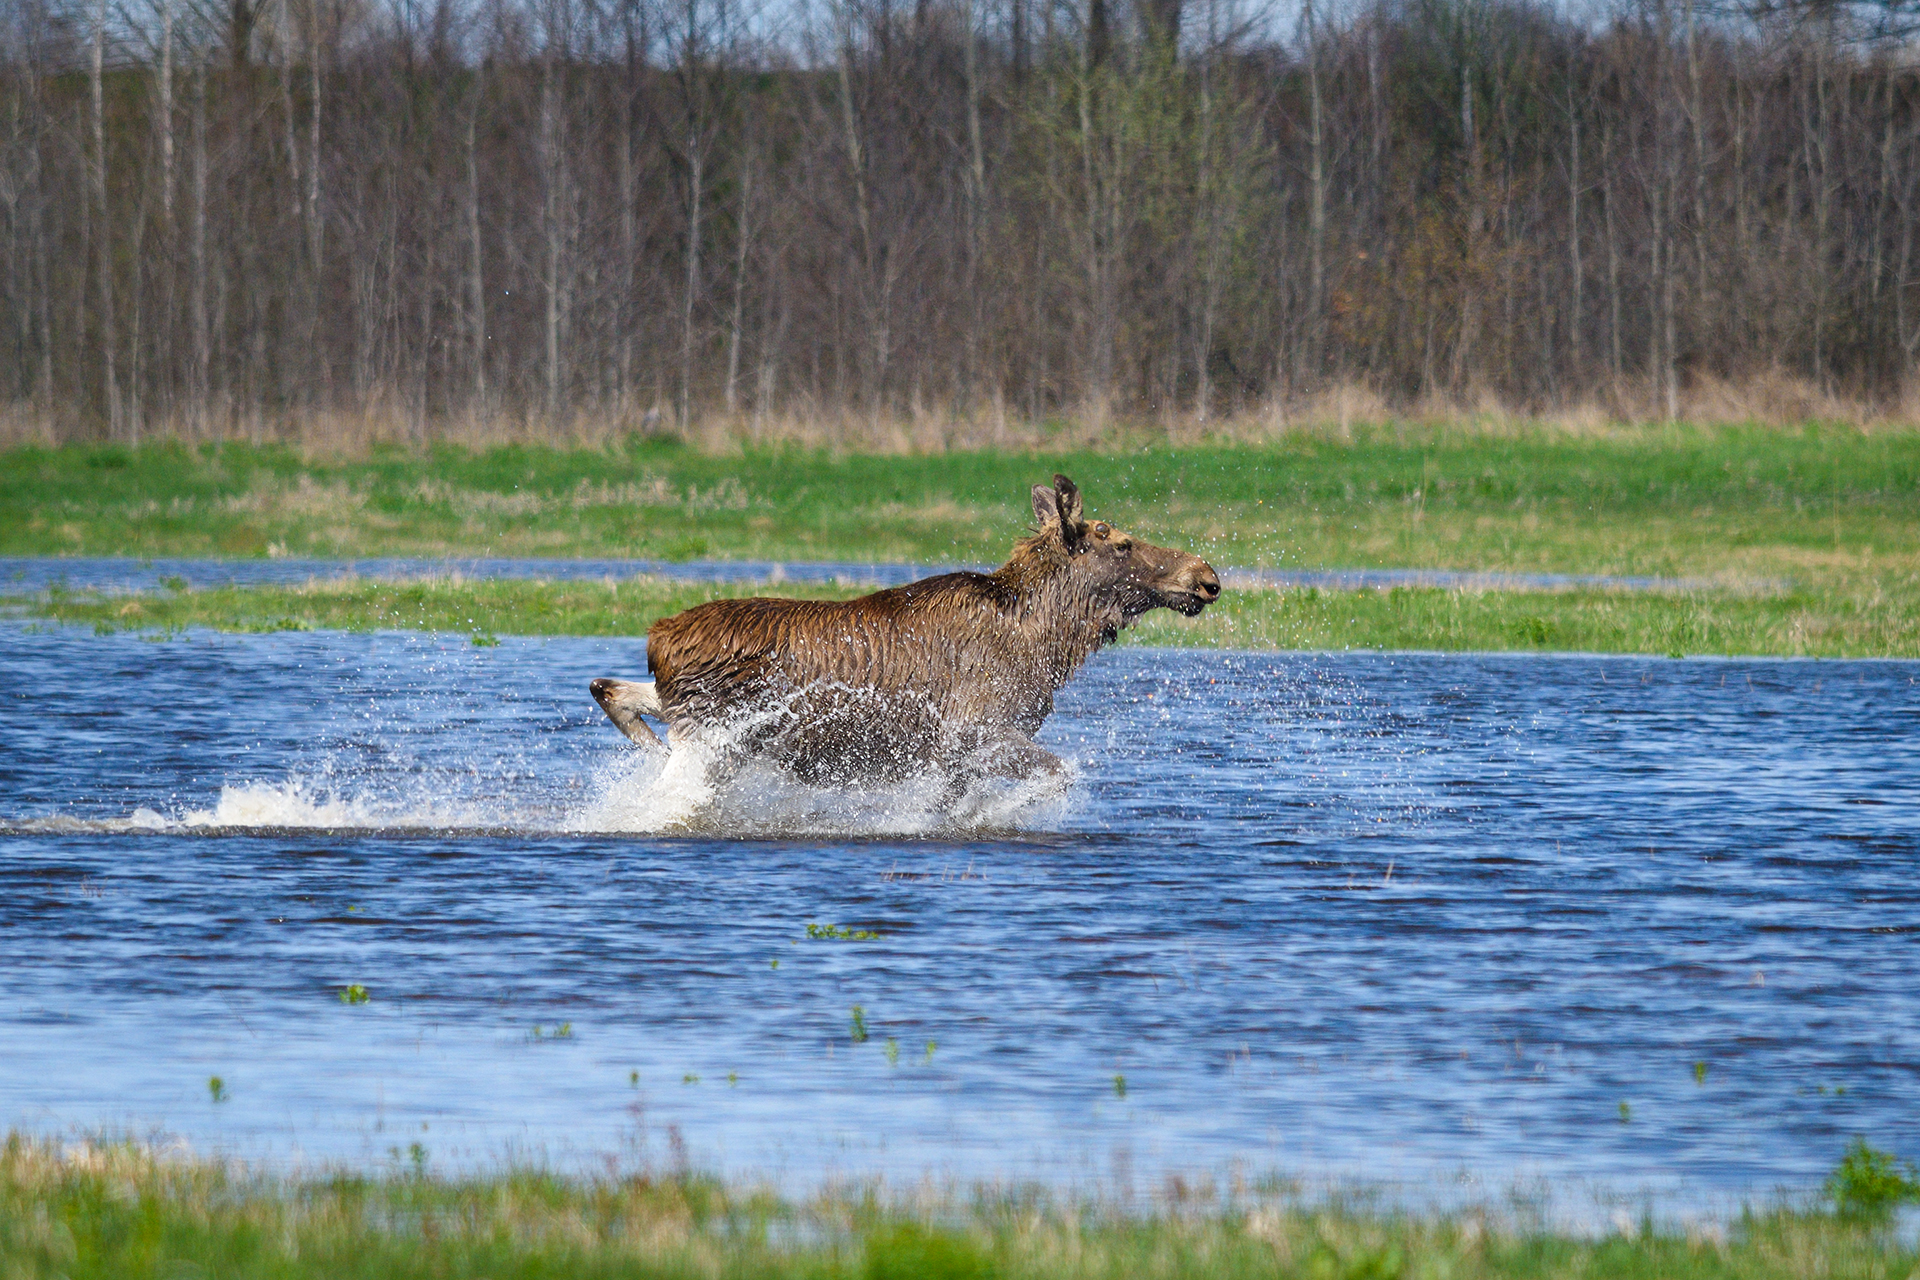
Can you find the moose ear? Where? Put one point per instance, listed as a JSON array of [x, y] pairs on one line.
[[1046, 504], [1069, 497]]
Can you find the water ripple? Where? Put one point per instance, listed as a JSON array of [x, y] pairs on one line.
[[1395, 917]]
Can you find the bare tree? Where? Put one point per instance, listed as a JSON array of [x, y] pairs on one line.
[[939, 210]]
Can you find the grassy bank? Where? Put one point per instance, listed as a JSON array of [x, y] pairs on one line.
[[117, 1211], [1800, 623], [1673, 501], [1807, 542]]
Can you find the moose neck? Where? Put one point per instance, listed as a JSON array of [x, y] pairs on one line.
[[1064, 620]]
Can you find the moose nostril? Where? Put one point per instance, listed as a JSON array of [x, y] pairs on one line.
[[1209, 587]]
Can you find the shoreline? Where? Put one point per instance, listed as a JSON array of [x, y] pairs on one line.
[[93, 1207], [1463, 619], [1736, 541], [129, 574]]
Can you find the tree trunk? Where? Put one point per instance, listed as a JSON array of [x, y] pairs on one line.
[[202, 339], [976, 193], [166, 120], [1019, 40], [745, 237], [1575, 268], [1099, 327], [875, 293], [1613, 257], [296, 363], [552, 213], [1696, 114], [316, 227], [1099, 41], [476, 280], [696, 191], [629, 209], [1467, 341], [103, 226], [1209, 201], [42, 284], [1317, 209]]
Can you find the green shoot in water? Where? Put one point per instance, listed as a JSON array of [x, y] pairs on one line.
[[834, 933]]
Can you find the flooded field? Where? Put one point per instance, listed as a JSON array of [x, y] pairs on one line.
[[1630, 924]]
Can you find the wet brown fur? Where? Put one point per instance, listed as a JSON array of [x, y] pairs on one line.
[[955, 667]]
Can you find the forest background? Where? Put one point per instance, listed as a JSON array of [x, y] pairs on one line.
[[936, 223]]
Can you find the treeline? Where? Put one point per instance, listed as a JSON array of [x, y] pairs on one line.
[[655, 213]]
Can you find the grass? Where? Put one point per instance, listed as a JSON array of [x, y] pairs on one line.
[[1870, 1184], [1792, 542], [1875, 621], [1676, 501], [103, 1210]]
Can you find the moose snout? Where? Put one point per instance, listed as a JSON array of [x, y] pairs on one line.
[[1199, 587]]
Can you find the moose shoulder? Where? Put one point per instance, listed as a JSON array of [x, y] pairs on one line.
[[956, 671]]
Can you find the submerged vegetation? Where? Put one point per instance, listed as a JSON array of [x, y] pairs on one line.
[[1781, 542], [839, 933], [119, 1210]]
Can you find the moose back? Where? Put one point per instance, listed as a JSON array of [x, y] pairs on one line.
[[955, 672]]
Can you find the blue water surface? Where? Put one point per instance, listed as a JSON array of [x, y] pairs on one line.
[[1430, 921]]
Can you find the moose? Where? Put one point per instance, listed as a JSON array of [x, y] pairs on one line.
[[956, 671]]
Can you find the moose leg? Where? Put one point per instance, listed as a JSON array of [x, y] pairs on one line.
[[1009, 766], [1017, 758], [625, 701]]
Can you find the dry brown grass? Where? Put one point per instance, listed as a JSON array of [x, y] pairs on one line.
[[1629, 409]]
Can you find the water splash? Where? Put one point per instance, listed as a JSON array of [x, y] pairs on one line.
[[717, 782], [692, 793], [703, 787], [298, 802]]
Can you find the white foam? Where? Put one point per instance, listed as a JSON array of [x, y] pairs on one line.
[[698, 790], [293, 802], [65, 824], [701, 787], [707, 785]]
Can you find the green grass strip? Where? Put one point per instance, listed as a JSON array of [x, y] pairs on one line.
[[1809, 540], [118, 1212], [1741, 503], [1834, 623]]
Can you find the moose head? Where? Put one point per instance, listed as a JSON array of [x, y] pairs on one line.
[[1118, 568]]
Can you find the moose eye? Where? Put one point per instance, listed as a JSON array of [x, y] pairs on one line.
[[1100, 529]]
